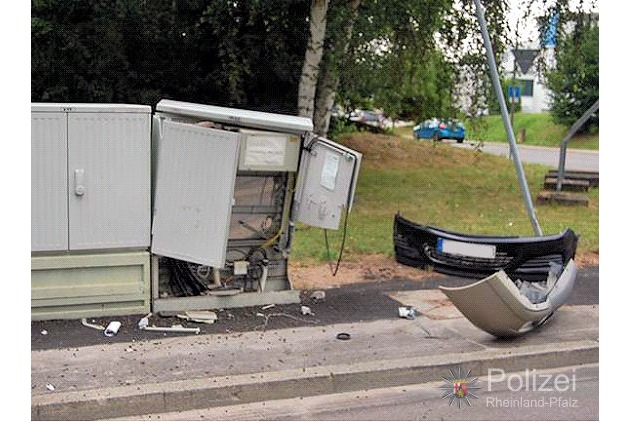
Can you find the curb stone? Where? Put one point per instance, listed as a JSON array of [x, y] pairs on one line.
[[191, 394]]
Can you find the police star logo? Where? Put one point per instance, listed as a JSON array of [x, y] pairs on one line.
[[459, 388]]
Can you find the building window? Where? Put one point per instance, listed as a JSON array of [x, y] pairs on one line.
[[527, 87]]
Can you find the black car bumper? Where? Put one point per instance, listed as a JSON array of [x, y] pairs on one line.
[[525, 258]]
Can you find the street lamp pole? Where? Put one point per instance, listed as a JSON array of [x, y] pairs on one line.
[[494, 76]]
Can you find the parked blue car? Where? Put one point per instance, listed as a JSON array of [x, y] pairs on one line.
[[438, 129]]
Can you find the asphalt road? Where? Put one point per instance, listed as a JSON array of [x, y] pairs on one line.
[[346, 304], [558, 394], [576, 159]]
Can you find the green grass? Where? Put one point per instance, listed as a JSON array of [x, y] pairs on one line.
[[539, 129], [447, 187]]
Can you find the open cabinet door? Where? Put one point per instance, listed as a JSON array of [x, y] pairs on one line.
[[326, 183], [194, 191]]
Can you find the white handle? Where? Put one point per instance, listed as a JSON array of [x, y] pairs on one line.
[[79, 188]]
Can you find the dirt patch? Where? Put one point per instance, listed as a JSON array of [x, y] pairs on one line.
[[370, 268], [587, 259], [388, 152]]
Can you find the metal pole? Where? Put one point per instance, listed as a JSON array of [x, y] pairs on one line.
[[494, 76], [563, 146]]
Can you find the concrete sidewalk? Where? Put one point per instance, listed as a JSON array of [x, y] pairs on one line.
[[181, 373]]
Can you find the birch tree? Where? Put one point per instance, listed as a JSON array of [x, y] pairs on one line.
[[333, 63], [312, 58]]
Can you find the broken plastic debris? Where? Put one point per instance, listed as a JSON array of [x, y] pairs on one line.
[[44, 332], [306, 310], [112, 328], [177, 328], [50, 387], [143, 323], [94, 326], [318, 295], [204, 317], [535, 292], [407, 312]]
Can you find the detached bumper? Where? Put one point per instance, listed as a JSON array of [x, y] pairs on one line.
[[475, 256], [498, 307]]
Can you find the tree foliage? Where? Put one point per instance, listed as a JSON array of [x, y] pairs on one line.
[[574, 81], [237, 53], [414, 59], [407, 57]]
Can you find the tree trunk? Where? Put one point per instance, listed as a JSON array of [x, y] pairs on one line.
[[329, 79], [312, 58]]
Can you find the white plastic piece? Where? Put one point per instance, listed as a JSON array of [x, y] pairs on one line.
[[204, 317], [112, 328], [318, 295], [407, 312], [240, 267], [263, 277], [174, 329], [94, 326]]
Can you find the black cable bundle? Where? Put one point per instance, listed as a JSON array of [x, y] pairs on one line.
[[183, 278]]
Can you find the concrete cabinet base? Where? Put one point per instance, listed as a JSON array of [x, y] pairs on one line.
[[71, 286]]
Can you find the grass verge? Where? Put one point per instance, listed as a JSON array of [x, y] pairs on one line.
[[451, 188], [540, 131]]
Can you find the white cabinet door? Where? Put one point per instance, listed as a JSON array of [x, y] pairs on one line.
[[109, 190], [326, 183], [194, 191], [49, 182]]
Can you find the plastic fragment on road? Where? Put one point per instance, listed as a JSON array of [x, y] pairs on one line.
[[318, 295], [407, 312], [50, 387], [507, 308], [112, 328], [93, 326], [306, 310], [143, 324], [176, 328], [203, 317]]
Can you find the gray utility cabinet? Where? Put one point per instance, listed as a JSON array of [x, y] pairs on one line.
[[90, 208], [229, 186], [192, 207]]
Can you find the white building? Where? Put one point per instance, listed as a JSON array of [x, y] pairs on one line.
[[535, 97]]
